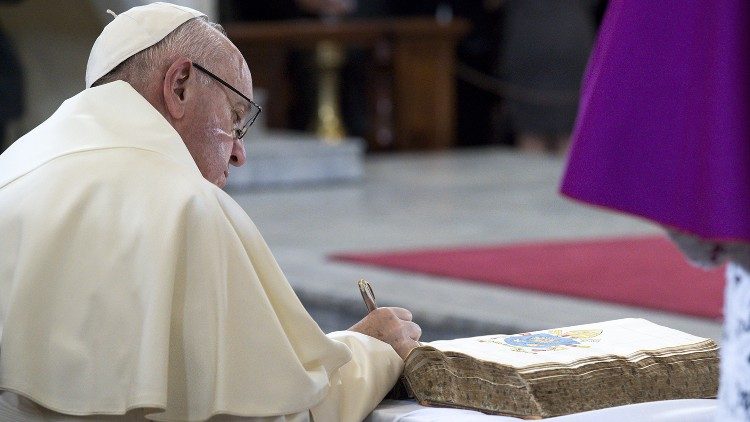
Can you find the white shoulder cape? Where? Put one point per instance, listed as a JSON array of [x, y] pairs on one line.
[[129, 281]]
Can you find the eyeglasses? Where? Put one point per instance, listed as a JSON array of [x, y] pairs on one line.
[[253, 111]]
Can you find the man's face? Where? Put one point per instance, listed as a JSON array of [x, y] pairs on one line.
[[213, 115]]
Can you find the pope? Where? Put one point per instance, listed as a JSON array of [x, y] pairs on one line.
[[132, 286]]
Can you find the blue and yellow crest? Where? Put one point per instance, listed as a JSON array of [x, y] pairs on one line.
[[546, 341]]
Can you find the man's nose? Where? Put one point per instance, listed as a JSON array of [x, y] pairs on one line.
[[238, 153]]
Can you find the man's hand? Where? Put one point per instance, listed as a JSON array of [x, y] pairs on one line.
[[393, 326]]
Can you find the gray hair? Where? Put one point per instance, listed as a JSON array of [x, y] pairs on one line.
[[199, 39]]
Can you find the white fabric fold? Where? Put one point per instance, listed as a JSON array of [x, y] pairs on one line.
[[129, 281]]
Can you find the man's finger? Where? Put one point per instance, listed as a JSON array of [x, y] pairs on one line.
[[413, 330], [401, 313]]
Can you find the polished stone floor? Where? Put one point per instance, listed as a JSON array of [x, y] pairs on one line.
[[459, 198]]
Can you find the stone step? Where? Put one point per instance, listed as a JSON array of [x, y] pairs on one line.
[[286, 158]]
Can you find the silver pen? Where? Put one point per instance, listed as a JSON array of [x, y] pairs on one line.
[[367, 295]]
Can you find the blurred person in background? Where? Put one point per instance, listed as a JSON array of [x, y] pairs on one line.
[[11, 85], [663, 133], [544, 47]]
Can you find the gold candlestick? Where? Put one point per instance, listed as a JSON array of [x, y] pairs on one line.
[[328, 123]]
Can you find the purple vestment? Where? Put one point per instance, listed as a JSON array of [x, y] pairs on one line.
[[663, 129]]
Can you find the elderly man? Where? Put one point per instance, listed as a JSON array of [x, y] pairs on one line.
[[132, 286]]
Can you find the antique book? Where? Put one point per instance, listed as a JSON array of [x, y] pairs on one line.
[[566, 370]]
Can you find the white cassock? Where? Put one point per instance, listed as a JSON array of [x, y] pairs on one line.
[[130, 283]]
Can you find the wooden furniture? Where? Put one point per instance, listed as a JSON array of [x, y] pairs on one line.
[[412, 91]]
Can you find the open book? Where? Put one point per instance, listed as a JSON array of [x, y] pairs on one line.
[[565, 370]]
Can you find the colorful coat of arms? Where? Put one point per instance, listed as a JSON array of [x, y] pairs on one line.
[[545, 341]]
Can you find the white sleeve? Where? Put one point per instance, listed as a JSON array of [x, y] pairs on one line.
[[358, 386]]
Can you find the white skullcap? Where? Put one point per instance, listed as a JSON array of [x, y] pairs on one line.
[[133, 31]]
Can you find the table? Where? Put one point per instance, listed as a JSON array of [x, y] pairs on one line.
[[693, 410], [412, 91]]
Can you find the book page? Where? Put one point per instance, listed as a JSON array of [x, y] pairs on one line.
[[621, 337]]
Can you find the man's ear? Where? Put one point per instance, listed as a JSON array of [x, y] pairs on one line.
[[175, 85]]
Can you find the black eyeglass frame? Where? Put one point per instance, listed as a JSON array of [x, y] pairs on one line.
[[243, 130]]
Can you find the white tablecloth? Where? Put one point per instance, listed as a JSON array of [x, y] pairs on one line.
[[660, 411]]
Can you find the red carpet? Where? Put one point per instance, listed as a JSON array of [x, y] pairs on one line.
[[647, 272]]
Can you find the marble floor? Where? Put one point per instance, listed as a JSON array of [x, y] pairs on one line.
[[458, 198]]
